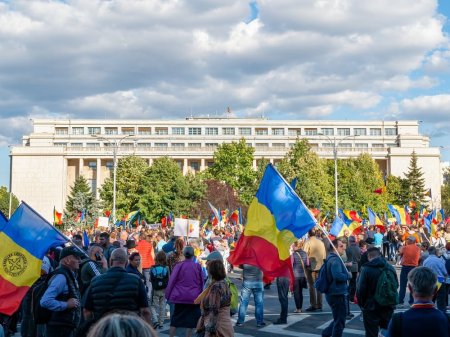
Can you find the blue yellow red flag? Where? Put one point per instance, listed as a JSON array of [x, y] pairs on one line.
[[337, 227], [276, 218], [399, 214], [25, 240]]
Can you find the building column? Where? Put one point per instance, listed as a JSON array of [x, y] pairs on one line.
[[150, 161], [98, 177], [254, 164], [202, 164], [185, 166], [271, 160], [80, 167]]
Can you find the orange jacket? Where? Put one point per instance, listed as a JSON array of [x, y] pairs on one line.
[[145, 249]]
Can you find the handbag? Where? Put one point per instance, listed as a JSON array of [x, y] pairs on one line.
[[304, 282]]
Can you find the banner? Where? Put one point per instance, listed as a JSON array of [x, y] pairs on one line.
[[103, 221], [187, 227]]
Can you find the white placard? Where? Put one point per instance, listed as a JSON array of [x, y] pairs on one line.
[[193, 228], [180, 227], [103, 221]]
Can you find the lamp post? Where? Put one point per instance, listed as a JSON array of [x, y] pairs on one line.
[[335, 150], [115, 145]]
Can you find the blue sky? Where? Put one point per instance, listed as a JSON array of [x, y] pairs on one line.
[[286, 59]]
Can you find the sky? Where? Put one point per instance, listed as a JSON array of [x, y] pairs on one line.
[[284, 59]]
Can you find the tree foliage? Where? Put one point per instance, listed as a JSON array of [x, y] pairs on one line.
[[416, 181], [4, 201], [397, 190], [81, 199], [314, 186], [445, 191], [233, 164]]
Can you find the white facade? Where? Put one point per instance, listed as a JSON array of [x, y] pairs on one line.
[[45, 166]]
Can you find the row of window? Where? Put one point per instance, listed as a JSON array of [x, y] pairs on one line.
[[229, 131], [214, 145]]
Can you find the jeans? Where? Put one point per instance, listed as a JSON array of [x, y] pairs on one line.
[[315, 296], [392, 251], [146, 273], [283, 289], [255, 288], [403, 282], [338, 307], [298, 292], [352, 286], [375, 319]]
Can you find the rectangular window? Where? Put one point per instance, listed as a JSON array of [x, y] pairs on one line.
[[195, 145], [128, 131], [144, 145], [261, 132], [378, 145], [245, 131], [94, 130], [278, 131], [360, 131], [211, 145], [375, 131], [195, 131], [92, 165], [228, 131], [211, 131], [294, 132], [144, 131], [60, 144], [279, 145], [262, 144], [78, 131], [161, 145], [392, 145], [161, 131], [390, 131], [111, 131], [362, 146], [195, 165], [127, 145], [345, 145], [311, 132], [327, 145], [177, 131], [343, 132], [109, 165], [93, 145], [178, 145], [76, 144], [61, 131], [328, 131]]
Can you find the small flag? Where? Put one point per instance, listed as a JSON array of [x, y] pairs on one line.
[[57, 217], [85, 239], [428, 193], [380, 190]]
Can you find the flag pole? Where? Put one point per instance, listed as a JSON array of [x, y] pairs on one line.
[[56, 229]]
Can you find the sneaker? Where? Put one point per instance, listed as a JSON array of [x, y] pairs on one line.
[[239, 324], [278, 322], [297, 311], [310, 309], [259, 325]]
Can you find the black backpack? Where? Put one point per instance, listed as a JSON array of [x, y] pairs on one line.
[[42, 315], [159, 277]]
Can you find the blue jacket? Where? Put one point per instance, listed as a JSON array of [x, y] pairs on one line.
[[337, 275]]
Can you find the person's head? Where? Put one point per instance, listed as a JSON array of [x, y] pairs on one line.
[[123, 235], [378, 230], [160, 236], [143, 236], [121, 325], [369, 242], [70, 257], [411, 240], [346, 233], [188, 252], [216, 269], [351, 240], [119, 258], [339, 245], [95, 252], [432, 250], [78, 240], [312, 232], [179, 245], [372, 253], [135, 260], [104, 239], [362, 244], [422, 283], [161, 258], [299, 244]]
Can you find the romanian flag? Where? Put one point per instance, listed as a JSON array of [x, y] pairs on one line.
[[399, 214], [25, 240], [407, 217], [380, 190], [338, 227], [57, 217], [355, 227], [352, 215], [235, 217], [428, 193], [132, 217], [276, 218], [375, 220]]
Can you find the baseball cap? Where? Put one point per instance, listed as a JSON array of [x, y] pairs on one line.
[[188, 252], [215, 255], [71, 250], [412, 238]]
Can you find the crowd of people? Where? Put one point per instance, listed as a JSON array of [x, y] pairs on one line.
[[135, 279]]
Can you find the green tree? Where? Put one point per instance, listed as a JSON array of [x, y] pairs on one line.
[[416, 181], [445, 191], [129, 178], [81, 199], [165, 190], [4, 201], [397, 190], [314, 186], [233, 164]]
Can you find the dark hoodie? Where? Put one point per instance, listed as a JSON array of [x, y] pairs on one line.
[[367, 283]]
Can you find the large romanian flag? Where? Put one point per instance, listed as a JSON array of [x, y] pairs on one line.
[[24, 241], [276, 218], [399, 213]]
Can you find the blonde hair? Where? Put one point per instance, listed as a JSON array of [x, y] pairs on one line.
[[125, 324]]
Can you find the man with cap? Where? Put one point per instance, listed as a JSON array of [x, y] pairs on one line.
[[410, 254], [62, 296], [214, 255]]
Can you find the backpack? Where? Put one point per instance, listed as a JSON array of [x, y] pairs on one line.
[[322, 283], [386, 291], [40, 314], [234, 296], [159, 277]]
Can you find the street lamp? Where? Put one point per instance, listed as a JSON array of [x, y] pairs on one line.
[[115, 145], [335, 147]]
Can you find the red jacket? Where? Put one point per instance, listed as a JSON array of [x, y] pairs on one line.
[[145, 249]]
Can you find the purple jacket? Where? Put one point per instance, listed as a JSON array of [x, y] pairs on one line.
[[185, 283]]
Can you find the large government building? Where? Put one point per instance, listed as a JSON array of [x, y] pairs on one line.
[[45, 166]]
